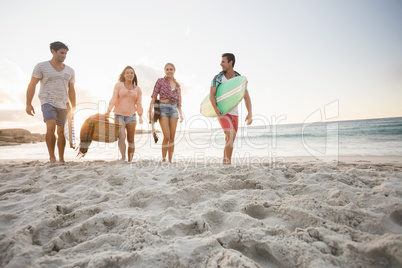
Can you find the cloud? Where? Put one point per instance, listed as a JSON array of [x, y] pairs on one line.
[[4, 97], [13, 84], [10, 116], [85, 95], [147, 76]]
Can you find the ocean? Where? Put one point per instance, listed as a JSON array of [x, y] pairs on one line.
[[323, 140]]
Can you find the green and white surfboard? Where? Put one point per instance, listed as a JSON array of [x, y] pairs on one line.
[[228, 96]]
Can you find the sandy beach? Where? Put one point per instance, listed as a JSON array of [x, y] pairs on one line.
[[302, 213]]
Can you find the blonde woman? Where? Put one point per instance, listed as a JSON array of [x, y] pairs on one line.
[[169, 92], [127, 100]]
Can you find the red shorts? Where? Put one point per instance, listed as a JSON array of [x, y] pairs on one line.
[[229, 121]]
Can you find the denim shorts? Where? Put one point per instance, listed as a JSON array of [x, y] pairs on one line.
[[126, 119], [168, 110], [53, 113]]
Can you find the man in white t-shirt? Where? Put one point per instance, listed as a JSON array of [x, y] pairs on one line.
[[229, 121], [56, 91]]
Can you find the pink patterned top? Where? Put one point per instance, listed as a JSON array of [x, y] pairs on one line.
[[126, 101]]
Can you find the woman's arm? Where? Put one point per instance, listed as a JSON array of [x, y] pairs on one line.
[[154, 95], [179, 106], [113, 100], [138, 105], [181, 113], [151, 107]]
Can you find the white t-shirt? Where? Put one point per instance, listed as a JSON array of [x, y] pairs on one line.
[[53, 84], [235, 110]]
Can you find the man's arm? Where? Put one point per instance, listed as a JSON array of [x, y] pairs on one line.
[[30, 94], [212, 98], [247, 101], [71, 96]]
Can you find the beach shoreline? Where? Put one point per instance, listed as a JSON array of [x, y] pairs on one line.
[[243, 160]]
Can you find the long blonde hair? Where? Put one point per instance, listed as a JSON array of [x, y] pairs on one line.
[[174, 79]]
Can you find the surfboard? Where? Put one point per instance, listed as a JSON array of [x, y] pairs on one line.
[[228, 96], [71, 132], [69, 128]]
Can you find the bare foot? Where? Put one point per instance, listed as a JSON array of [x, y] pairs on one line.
[[52, 160], [62, 162], [226, 161]]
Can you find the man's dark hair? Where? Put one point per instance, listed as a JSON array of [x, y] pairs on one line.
[[230, 57], [58, 45]]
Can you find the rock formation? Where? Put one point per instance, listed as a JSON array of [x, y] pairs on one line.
[[16, 136]]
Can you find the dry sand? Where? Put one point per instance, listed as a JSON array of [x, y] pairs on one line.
[[112, 214]]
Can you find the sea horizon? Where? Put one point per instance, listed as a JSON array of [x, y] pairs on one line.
[[241, 126], [321, 140]]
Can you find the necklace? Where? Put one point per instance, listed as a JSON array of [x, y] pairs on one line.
[[129, 87]]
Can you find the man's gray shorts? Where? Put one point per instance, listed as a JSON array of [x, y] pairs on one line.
[[53, 113]]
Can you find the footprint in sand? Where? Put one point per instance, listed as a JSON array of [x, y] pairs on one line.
[[257, 211], [396, 217], [258, 252]]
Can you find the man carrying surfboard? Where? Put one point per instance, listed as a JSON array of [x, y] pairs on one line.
[[230, 120], [56, 90]]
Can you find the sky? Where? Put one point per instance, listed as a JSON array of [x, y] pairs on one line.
[[301, 58]]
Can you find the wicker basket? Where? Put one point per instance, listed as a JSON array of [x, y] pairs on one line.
[[105, 131]]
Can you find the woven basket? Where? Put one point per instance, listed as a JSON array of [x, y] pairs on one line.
[[105, 131]]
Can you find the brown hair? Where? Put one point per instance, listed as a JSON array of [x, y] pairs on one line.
[[121, 76], [230, 57], [58, 45], [174, 79]]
